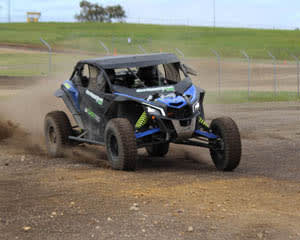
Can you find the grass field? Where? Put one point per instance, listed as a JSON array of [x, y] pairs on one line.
[[19, 64], [229, 97], [193, 41]]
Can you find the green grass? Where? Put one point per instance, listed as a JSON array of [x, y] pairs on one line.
[[193, 41], [231, 97], [36, 64], [22, 64]]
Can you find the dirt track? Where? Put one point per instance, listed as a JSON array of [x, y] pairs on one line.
[[79, 197]]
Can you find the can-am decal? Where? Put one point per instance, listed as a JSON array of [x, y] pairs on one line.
[[92, 114], [160, 89], [67, 85], [98, 99]]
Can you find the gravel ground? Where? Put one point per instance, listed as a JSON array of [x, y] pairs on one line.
[[181, 196]]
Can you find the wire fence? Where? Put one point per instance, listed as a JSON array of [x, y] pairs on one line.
[[215, 72]]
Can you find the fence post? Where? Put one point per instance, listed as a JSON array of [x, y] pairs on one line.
[[249, 70], [180, 53], [49, 51], [142, 49], [105, 48], [219, 70], [112, 43], [151, 44], [275, 77], [298, 78]]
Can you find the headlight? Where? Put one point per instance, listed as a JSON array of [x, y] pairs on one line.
[[153, 111], [196, 106]]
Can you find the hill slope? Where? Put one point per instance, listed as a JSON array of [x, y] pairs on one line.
[[193, 41]]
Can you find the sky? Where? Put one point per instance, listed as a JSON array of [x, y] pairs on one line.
[[234, 13]]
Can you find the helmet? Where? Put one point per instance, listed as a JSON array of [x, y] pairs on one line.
[[148, 75]]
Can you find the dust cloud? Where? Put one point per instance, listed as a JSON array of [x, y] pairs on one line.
[[22, 115]]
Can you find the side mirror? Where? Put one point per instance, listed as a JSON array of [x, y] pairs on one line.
[[189, 70]]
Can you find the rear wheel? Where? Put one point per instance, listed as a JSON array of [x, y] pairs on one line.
[[227, 153], [121, 144], [158, 150], [57, 129]]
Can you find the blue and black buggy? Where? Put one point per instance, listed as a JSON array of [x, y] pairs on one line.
[[139, 101]]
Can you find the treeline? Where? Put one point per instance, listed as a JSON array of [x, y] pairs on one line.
[[93, 12]]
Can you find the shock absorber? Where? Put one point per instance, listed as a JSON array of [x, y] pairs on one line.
[[202, 123], [142, 121]]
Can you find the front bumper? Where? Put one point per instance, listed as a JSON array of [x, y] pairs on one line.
[[178, 128], [175, 130]]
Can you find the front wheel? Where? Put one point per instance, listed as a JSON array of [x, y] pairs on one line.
[[226, 154], [120, 144]]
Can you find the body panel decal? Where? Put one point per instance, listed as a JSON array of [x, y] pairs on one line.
[[92, 114], [98, 99]]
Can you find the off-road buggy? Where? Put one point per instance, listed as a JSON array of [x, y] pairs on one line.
[[139, 101]]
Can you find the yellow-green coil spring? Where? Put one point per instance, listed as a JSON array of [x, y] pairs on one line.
[[141, 121], [202, 122]]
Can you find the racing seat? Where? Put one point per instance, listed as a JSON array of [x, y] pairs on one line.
[[81, 81], [84, 81]]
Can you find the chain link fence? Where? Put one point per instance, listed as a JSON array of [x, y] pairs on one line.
[[216, 73]]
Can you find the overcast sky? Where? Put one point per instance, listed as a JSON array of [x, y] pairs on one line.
[[245, 13]]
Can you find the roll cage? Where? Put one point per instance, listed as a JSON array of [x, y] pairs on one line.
[[130, 65]]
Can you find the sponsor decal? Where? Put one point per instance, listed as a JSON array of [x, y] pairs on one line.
[[67, 85], [98, 99], [92, 114], [160, 89]]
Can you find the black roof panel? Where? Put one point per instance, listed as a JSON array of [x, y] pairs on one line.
[[141, 60]]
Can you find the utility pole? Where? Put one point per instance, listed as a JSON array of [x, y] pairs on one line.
[[8, 13], [214, 10]]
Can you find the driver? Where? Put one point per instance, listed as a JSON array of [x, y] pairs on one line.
[[111, 74], [148, 75]]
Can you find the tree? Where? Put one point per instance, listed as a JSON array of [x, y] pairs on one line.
[[97, 13], [91, 12], [116, 12]]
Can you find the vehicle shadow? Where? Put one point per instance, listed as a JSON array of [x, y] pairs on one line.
[[176, 160], [179, 159], [169, 163]]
